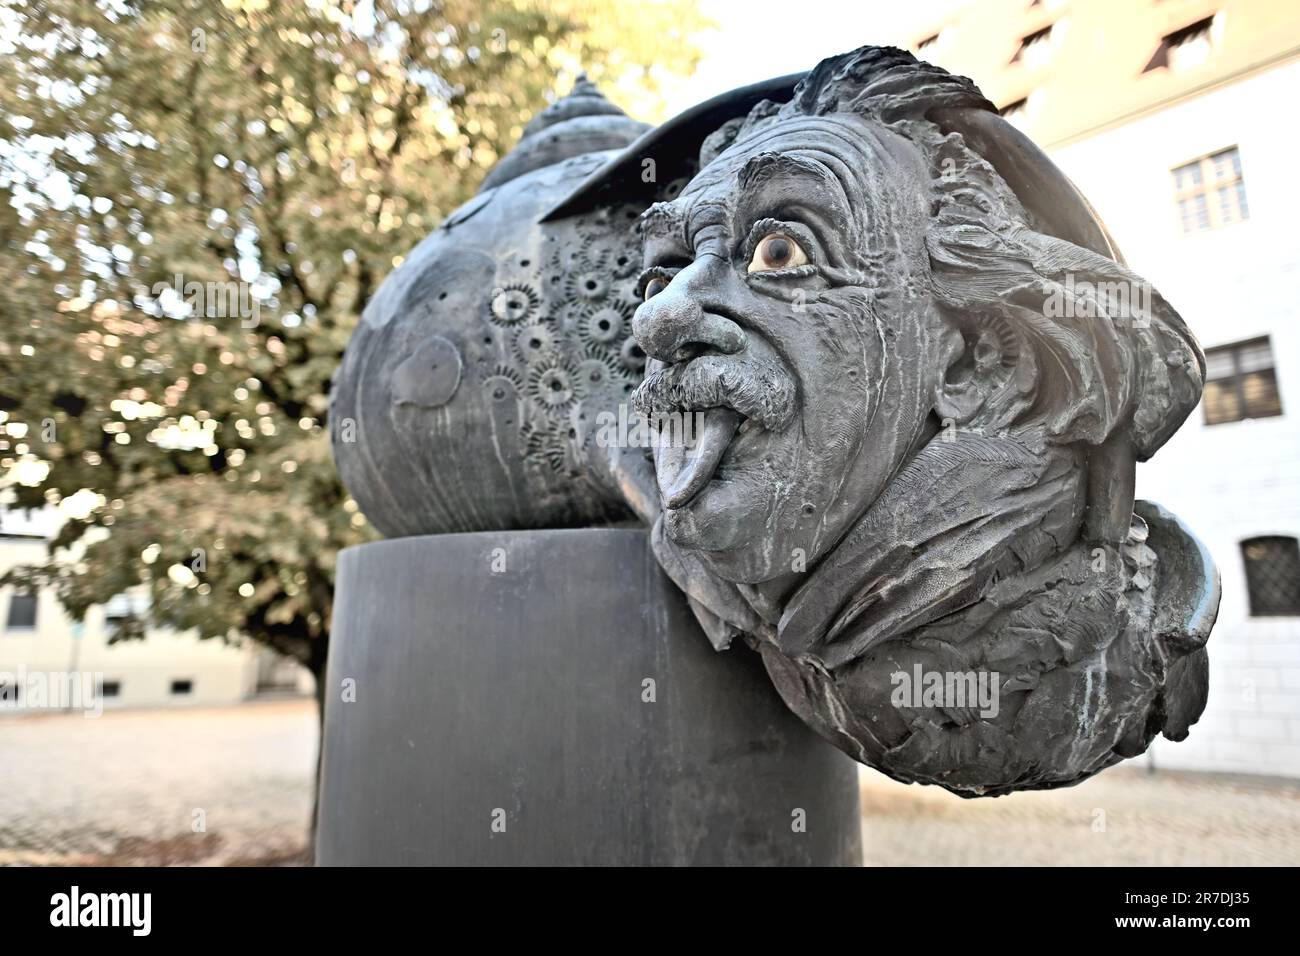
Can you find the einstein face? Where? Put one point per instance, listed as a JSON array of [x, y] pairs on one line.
[[786, 298]]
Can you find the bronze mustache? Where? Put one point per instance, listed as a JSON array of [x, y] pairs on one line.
[[756, 388]]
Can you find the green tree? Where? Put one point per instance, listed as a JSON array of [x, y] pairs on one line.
[[294, 151]]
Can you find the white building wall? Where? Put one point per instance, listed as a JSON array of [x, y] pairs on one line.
[[220, 673], [1240, 479]]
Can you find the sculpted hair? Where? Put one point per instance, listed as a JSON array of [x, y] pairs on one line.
[[1055, 336]]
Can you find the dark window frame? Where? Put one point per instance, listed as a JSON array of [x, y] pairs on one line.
[[1180, 37], [181, 687], [1270, 591], [1245, 412], [15, 596], [1043, 35], [1015, 106]]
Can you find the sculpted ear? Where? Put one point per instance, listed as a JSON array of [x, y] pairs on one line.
[[1120, 359], [988, 374]]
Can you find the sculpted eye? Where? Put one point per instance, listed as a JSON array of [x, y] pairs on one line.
[[655, 285], [776, 250]]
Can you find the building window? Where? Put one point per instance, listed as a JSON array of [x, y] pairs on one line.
[[1035, 48], [125, 607], [182, 687], [1183, 49], [1272, 575], [10, 693], [1016, 111], [111, 688], [22, 611], [1211, 191], [1240, 383]]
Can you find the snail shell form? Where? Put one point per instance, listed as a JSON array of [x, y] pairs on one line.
[[468, 393]]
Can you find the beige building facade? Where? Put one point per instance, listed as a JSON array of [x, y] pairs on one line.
[[49, 662]]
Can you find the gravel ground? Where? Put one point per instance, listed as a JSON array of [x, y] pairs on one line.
[[1121, 817], [124, 789]]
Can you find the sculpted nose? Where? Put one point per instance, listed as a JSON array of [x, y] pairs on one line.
[[679, 321]]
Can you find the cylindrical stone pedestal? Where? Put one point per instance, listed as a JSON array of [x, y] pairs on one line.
[[546, 697]]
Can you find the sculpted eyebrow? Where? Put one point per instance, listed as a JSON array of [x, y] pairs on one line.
[[771, 173], [770, 167]]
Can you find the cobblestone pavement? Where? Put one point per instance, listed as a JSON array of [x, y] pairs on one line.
[[1122, 817], [122, 789]]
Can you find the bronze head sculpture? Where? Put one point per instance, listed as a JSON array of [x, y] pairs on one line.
[[923, 375]]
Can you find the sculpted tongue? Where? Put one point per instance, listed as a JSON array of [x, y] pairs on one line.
[[682, 472]]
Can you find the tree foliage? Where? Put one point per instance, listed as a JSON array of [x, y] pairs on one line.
[[288, 153]]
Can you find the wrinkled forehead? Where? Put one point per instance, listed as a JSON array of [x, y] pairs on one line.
[[843, 162]]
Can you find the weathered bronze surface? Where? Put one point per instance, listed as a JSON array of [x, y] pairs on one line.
[[922, 376]]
